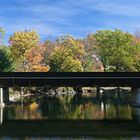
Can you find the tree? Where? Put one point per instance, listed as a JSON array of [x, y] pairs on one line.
[[67, 55], [6, 63], [136, 39], [75, 46], [20, 43], [62, 60], [49, 46], [116, 49], [34, 59], [90, 62], [2, 34]]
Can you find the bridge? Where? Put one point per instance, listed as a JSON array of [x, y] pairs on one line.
[[86, 79], [70, 79]]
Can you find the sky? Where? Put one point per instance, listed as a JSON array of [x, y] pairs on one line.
[[52, 18]]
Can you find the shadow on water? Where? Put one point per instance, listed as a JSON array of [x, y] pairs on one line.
[[66, 117]]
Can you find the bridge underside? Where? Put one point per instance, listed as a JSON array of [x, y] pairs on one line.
[[69, 82], [40, 79]]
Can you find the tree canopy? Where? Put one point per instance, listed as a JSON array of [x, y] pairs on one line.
[[6, 63], [116, 50], [104, 50], [20, 43]]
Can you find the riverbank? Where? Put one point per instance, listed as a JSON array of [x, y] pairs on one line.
[[28, 97]]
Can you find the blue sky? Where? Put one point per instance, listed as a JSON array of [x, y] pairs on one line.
[[52, 18]]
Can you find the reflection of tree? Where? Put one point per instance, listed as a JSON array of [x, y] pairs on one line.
[[51, 108], [9, 112], [110, 112], [24, 112], [64, 107], [118, 111], [125, 112]]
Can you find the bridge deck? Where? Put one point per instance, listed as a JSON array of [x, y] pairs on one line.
[[11, 79]]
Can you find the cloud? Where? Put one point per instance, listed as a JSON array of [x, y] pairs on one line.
[[68, 16]]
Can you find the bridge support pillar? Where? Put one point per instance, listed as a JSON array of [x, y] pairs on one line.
[[136, 104], [118, 93], [136, 97], [98, 92], [79, 92], [5, 95], [1, 98], [1, 115]]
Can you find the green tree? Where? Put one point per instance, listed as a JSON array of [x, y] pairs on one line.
[[67, 55], [20, 43], [2, 34], [116, 49], [6, 63], [90, 49], [62, 60]]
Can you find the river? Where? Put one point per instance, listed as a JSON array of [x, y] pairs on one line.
[[69, 118]]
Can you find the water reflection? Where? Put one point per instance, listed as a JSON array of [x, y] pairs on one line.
[[55, 108], [86, 115]]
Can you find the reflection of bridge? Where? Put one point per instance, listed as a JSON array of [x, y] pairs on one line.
[[40, 79]]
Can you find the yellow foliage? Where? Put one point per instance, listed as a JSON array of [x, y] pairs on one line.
[[33, 106], [39, 68]]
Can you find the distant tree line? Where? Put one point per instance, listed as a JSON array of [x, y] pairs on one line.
[[104, 50]]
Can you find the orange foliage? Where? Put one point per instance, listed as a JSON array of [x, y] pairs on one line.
[[35, 55], [38, 68], [34, 59]]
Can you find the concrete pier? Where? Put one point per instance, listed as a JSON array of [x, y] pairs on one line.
[[5, 95], [1, 98], [98, 92], [1, 115], [136, 96]]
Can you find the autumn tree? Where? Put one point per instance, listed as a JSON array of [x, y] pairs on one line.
[[34, 59], [136, 42], [75, 46], [116, 50], [49, 46], [20, 43]]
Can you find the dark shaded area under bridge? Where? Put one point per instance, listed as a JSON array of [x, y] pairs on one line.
[[39, 79]]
